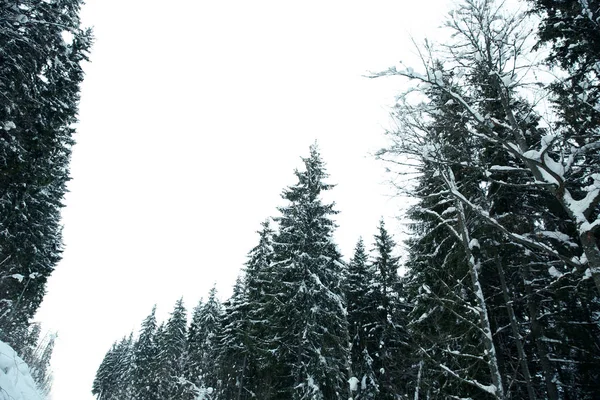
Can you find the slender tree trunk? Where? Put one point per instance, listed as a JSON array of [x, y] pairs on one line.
[[484, 321], [418, 385], [515, 329], [591, 251], [537, 333], [241, 383]]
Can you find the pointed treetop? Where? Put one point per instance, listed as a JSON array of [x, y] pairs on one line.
[[383, 240], [310, 180], [360, 253]]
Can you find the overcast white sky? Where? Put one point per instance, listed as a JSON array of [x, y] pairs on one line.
[[194, 115]]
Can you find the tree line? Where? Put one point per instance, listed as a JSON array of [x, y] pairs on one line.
[[284, 333], [42, 47], [497, 141], [500, 297]]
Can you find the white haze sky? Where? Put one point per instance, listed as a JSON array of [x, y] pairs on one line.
[[193, 116]]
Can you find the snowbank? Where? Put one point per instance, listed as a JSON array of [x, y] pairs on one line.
[[15, 381]]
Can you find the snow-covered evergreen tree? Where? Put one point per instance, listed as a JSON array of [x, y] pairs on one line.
[[233, 357], [173, 353], [388, 320], [311, 334], [40, 75], [202, 341], [113, 378], [363, 309], [571, 31], [144, 374], [259, 286], [504, 188]]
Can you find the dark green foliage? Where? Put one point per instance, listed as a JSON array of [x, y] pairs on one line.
[[311, 337], [500, 298], [233, 348], [572, 31], [202, 340], [40, 73], [259, 308], [443, 328], [112, 380], [389, 359], [463, 139], [376, 320], [173, 353], [362, 298], [283, 333], [144, 374], [195, 338]]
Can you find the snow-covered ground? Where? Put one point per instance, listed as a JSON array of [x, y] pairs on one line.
[[16, 382]]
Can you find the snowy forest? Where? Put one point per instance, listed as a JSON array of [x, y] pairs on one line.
[[494, 292], [42, 46]]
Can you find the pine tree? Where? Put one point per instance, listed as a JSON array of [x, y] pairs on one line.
[[388, 323], [232, 347], [362, 298], [311, 336], [173, 352], [201, 339], [446, 278], [510, 188], [259, 286], [103, 386], [113, 378], [162, 380], [447, 337], [40, 73], [194, 342], [145, 361], [40, 368], [571, 30]]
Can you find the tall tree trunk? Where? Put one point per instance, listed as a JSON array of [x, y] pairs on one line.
[[241, 382], [417, 386], [484, 321], [537, 333], [515, 330]]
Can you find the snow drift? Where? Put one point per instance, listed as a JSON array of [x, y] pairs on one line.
[[16, 382]]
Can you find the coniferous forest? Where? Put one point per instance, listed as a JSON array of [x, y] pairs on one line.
[[496, 142], [42, 46]]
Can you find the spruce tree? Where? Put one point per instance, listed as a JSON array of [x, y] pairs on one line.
[[363, 308], [259, 286], [40, 73], [508, 191], [232, 347], [145, 361], [194, 339], [162, 380], [202, 341], [388, 322], [311, 335], [113, 378], [103, 385], [173, 352], [571, 30], [453, 353]]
